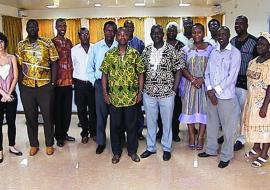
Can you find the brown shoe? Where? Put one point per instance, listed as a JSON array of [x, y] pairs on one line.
[[33, 151], [85, 140], [49, 150]]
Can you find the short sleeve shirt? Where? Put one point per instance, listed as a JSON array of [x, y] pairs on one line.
[[35, 59], [123, 74]]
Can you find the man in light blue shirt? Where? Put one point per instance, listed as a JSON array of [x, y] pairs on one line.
[[96, 57], [220, 79]]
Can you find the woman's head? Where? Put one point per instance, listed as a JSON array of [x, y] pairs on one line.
[[198, 32], [3, 40], [263, 44]]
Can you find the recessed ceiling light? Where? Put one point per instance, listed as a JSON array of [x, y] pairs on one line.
[[52, 6], [181, 4], [139, 4], [97, 5]]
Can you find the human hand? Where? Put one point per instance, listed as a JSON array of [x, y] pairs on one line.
[[198, 82], [263, 111], [107, 98]]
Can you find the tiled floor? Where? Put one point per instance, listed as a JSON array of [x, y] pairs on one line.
[[76, 166]]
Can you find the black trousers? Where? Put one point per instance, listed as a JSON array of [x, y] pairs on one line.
[[121, 119], [8, 108], [63, 108], [85, 101], [175, 121], [32, 99]]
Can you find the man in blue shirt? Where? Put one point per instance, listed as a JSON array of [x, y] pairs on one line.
[[220, 79], [96, 57]]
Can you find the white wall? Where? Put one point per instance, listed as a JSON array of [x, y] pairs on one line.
[[257, 11], [9, 11]]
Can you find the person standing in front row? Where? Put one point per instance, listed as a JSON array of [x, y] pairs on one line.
[[122, 84], [63, 86], [37, 58], [162, 64], [222, 107], [84, 90], [96, 57]]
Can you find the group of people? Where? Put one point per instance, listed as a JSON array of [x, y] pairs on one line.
[[189, 79]]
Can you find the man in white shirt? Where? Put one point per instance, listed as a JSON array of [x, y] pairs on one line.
[[186, 36], [84, 90], [213, 26]]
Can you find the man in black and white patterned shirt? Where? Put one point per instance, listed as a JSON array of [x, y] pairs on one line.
[[162, 64]]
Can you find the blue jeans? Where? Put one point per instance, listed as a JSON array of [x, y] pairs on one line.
[[152, 106]]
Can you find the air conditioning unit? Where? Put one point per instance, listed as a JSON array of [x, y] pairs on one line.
[[216, 9], [22, 13]]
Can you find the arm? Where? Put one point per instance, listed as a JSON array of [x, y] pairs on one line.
[[54, 71], [177, 77], [141, 83], [104, 80], [188, 76], [15, 75], [91, 66], [266, 101]]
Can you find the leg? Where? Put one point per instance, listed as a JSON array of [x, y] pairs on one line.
[[67, 109], [166, 106], [151, 110], [175, 122], [264, 153], [11, 118], [200, 140], [130, 118], [140, 121], [191, 136], [91, 102], [2, 106], [59, 103]]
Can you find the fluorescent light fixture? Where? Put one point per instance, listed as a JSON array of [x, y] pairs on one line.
[[52, 6], [139, 4], [181, 4], [97, 5]]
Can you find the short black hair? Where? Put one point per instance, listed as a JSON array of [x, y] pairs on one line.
[[110, 23], [199, 25], [128, 21], [3, 37], [82, 29], [60, 20], [32, 20], [156, 26], [122, 28], [213, 20], [244, 18], [224, 28]]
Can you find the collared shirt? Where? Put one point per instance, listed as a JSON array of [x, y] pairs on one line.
[[222, 70], [159, 81], [211, 41], [80, 62], [64, 64], [96, 57], [34, 59], [123, 75], [137, 44], [182, 38]]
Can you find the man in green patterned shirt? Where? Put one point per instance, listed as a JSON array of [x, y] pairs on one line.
[[122, 83]]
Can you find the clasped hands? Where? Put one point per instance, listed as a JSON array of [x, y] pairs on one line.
[[197, 82], [7, 98]]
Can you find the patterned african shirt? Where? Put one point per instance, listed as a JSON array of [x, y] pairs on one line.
[[35, 59], [160, 66], [64, 64], [123, 74]]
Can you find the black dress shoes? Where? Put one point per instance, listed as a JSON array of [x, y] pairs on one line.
[[204, 155], [238, 146], [176, 139], [220, 140], [134, 157], [85, 140], [146, 154], [100, 149], [223, 164], [2, 157], [19, 153], [69, 138], [166, 155], [60, 143], [141, 137], [116, 158]]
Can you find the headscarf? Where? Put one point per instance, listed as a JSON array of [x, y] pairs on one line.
[[266, 35], [170, 24]]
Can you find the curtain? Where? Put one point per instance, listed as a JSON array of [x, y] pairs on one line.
[[138, 26], [148, 23], [73, 27], [163, 21], [96, 28], [45, 28], [12, 27], [219, 17], [202, 20]]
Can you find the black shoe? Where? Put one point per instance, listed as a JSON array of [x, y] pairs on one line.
[[19, 153], [204, 155], [147, 153], [223, 164], [134, 157], [60, 143], [85, 140], [166, 155], [141, 137], [69, 138], [238, 146], [176, 139], [100, 149], [1, 160], [220, 140], [116, 158], [93, 136]]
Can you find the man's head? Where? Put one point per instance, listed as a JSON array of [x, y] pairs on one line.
[[172, 29], [213, 26], [187, 23], [61, 27], [223, 36], [129, 25], [32, 28], [109, 29], [157, 34], [84, 35], [241, 25], [122, 36]]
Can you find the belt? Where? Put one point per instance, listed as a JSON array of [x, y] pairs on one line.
[[81, 81]]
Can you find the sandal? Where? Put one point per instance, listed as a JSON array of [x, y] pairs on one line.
[[252, 154], [199, 146], [192, 146], [259, 162]]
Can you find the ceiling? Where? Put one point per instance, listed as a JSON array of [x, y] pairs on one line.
[[41, 4]]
